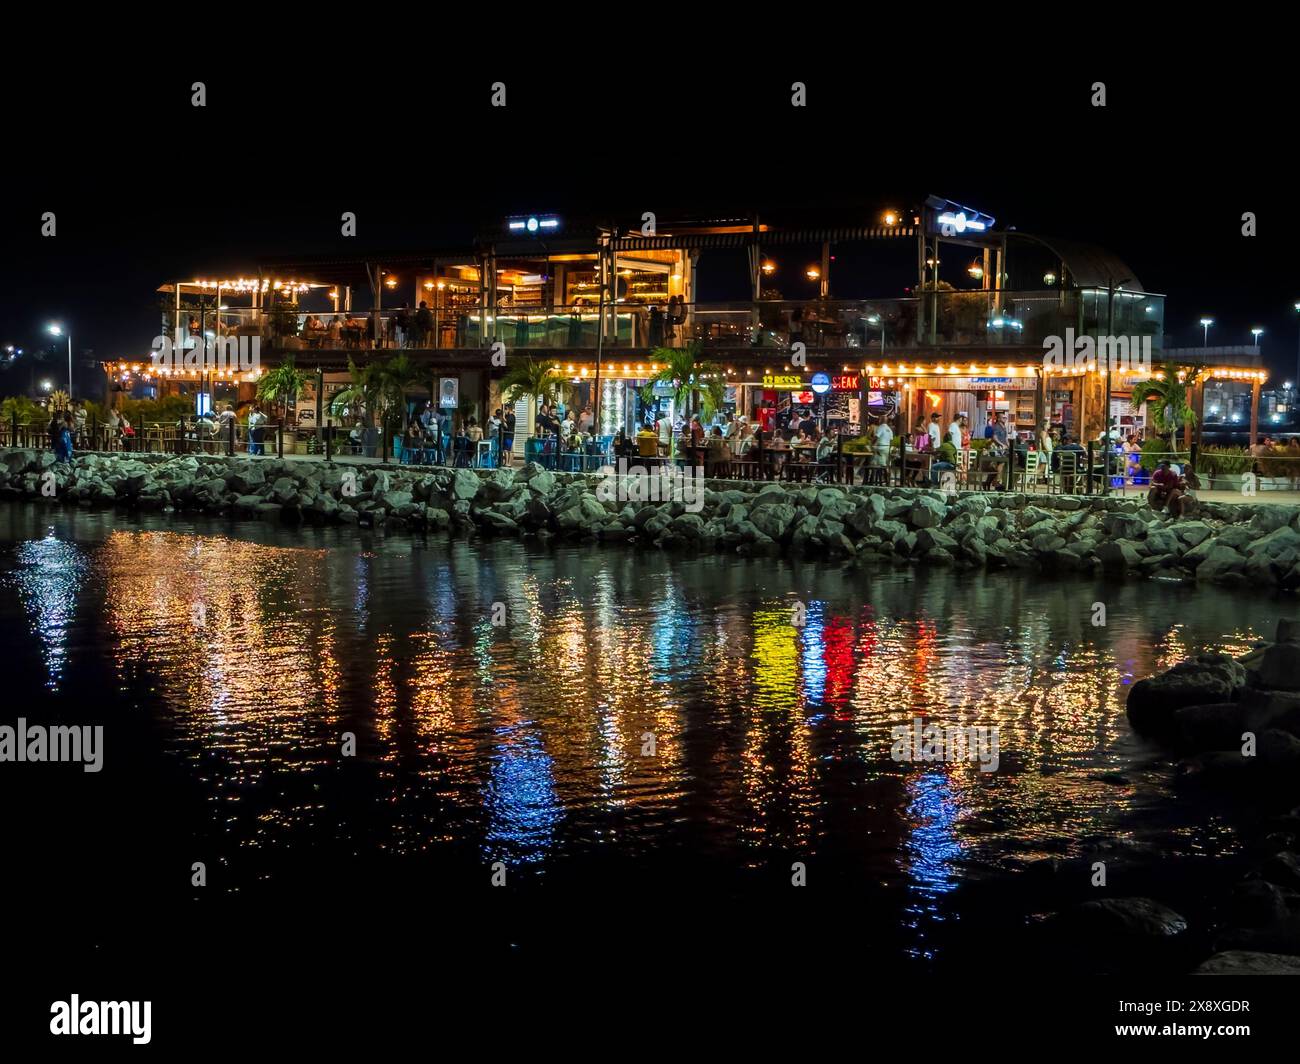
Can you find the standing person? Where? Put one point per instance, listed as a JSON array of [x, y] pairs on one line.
[[1045, 447], [665, 429], [113, 424], [996, 430], [586, 418], [656, 326], [882, 437], [55, 431], [934, 431], [66, 432], [79, 422], [955, 431], [423, 324], [255, 421], [508, 436]]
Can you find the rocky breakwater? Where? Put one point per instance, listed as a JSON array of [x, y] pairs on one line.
[[1233, 724], [1245, 544]]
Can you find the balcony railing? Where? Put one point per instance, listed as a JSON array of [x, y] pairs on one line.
[[946, 318]]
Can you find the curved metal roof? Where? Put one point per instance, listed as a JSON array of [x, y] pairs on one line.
[[1090, 266]]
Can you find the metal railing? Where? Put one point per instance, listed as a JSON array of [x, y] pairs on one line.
[[979, 318]]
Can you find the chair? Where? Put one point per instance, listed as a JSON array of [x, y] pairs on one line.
[[964, 467], [1067, 470], [397, 449], [1029, 473], [461, 451], [482, 450]]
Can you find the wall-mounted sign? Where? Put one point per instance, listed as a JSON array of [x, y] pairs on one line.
[[782, 383], [849, 382], [802, 398], [449, 393], [821, 383]]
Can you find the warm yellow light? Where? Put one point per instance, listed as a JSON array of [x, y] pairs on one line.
[[813, 273]]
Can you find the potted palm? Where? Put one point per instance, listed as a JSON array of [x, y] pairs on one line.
[[281, 386], [534, 378], [698, 385], [1167, 392]]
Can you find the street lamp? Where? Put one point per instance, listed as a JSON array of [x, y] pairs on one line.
[[1256, 333], [57, 330], [1205, 324]]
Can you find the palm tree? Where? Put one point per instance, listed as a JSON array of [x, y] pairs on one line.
[[539, 378], [284, 383], [362, 395], [695, 382], [1169, 392], [395, 379]]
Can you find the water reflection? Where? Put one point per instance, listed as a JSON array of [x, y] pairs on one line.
[[523, 739], [48, 575]]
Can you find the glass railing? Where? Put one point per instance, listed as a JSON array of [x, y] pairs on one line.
[[945, 318]]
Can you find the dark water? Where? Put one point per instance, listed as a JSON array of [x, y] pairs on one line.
[[227, 660]]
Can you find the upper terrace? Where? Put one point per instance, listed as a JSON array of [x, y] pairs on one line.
[[958, 283]]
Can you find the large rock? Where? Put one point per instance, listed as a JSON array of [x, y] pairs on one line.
[[1249, 962], [1201, 680], [464, 485], [926, 513], [1118, 555], [1217, 726], [773, 519], [1126, 918], [1219, 561]]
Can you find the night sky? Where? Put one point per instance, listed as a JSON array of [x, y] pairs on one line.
[[147, 188]]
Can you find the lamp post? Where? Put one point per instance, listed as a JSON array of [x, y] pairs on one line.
[[1256, 333], [57, 330], [1205, 324]]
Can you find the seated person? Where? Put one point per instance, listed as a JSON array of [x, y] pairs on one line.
[[945, 461], [993, 462], [1168, 490]]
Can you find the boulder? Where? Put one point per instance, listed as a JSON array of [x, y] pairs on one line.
[[1110, 918], [1205, 679], [773, 519], [1249, 962], [1118, 555]]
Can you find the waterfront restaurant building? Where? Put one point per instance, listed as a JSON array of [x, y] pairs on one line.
[[896, 312]]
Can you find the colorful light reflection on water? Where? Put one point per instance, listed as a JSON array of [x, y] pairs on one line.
[[525, 740]]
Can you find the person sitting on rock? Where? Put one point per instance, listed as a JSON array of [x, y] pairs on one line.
[[1168, 490]]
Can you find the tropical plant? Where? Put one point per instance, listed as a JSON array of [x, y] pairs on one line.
[[60, 400], [540, 378], [395, 379], [698, 385], [282, 385], [1168, 394], [1226, 461], [165, 411], [27, 411], [361, 398]]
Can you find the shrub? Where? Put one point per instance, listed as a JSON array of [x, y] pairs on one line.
[[1226, 461]]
